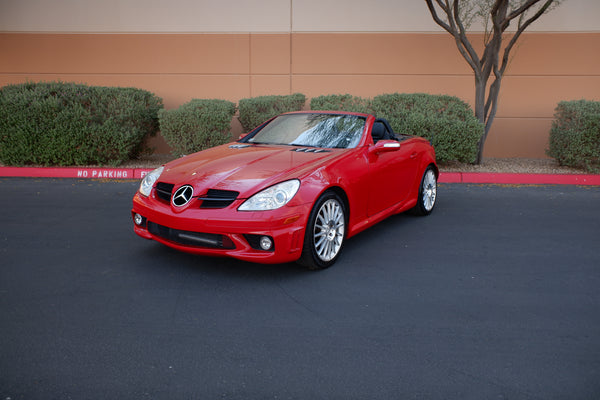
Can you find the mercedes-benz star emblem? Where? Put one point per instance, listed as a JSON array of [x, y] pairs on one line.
[[182, 196]]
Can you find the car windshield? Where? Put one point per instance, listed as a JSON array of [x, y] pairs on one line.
[[312, 130]]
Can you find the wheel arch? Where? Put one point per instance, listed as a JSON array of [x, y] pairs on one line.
[[435, 169], [342, 193], [311, 255]]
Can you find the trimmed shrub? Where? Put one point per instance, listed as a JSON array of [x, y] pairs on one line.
[[446, 121], [575, 135], [340, 102], [59, 123], [254, 111], [197, 125]]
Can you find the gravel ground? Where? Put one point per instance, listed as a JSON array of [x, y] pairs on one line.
[[514, 165]]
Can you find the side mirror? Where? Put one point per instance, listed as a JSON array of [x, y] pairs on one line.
[[385, 146]]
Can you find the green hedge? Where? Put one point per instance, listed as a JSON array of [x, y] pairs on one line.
[[575, 135], [59, 123], [197, 125], [71, 124], [340, 102], [446, 121], [254, 111]]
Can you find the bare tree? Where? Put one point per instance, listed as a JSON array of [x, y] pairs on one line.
[[456, 16]]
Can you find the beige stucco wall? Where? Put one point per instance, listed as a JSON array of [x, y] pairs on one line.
[[208, 49]]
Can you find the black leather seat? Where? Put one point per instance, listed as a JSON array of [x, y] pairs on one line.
[[379, 132]]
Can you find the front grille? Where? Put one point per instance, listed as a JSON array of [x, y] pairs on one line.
[[164, 191], [188, 238], [216, 198]]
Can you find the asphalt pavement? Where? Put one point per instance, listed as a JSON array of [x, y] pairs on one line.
[[495, 295]]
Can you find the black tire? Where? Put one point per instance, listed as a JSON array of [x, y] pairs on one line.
[[325, 232], [427, 193]]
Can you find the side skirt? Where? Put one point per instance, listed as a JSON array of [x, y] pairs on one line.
[[380, 216]]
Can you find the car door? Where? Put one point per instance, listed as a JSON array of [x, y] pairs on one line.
[[391, 175]]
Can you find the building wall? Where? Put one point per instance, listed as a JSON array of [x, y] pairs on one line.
[[187, 49]]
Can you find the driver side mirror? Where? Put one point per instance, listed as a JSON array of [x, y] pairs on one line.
[[385, 146]]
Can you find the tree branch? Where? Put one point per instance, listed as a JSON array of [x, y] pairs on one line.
[[435, 16], [499, 13], [519, 11], [458, 32], [463, 36], [522, 28]]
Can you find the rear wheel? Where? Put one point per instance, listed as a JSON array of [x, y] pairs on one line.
[[325, 232], [427, 193]]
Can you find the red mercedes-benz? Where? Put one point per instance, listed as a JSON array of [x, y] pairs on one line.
[[294, 189]]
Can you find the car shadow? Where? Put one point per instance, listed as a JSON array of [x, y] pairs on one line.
[[163, 259]]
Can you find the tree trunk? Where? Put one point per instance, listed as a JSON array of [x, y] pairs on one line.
[[480, 86], [490, 62]]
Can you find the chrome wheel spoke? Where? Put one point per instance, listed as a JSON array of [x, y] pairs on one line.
[[429, 190], [328, 233]]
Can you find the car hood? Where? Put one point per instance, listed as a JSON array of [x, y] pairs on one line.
[[245, 168]]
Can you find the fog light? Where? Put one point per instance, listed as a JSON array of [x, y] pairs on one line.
[[266, 243], [138, 219]]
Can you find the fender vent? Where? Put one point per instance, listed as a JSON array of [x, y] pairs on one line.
[[310, 150]]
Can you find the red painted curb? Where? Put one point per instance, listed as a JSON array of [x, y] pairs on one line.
[[445, 177], [74, 172], [450, 177], [519, 179]]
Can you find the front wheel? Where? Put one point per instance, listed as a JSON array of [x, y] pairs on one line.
[[427, 193], [325, 232]]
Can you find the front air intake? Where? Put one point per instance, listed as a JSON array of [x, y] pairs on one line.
[[216, 198], [192, 239]]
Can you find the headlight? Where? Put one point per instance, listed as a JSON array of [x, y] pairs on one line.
[[272, 198], [149, 180]]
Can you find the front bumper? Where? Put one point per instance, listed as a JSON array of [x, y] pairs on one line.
[[223, 232]]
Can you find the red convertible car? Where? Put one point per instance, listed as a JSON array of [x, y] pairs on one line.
[[294, 189]]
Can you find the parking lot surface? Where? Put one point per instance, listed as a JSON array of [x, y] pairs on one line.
[[494, 296]]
